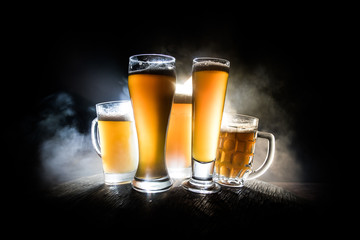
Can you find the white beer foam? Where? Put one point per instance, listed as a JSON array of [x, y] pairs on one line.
[[115, 112], [238, 128], [210, 65], [114, 117]]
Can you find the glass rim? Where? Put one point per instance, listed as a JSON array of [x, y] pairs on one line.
[[166, 58], [214, 59]]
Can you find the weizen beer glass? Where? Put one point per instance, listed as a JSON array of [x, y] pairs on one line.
[[236, 148], [210, 77], [151, 84], [113, 136]]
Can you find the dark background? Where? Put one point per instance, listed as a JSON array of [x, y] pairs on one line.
[[59, 73]]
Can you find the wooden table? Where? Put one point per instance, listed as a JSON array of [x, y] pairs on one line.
[[88, 205]]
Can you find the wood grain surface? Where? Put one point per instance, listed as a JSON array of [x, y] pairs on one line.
[[87, 205]]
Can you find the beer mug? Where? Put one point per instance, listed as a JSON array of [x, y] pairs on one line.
[[235, 150], [151, 82], [114, 138]]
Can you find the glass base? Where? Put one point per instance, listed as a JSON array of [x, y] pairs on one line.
[[201, 186], [118, 178], [152, 186], [230, 182], [201, 180]]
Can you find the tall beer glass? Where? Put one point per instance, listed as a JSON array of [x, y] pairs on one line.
[[152, 87], [210, 77]]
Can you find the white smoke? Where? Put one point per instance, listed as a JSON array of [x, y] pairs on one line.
[[68, 155], [65, 152], [250, 92]]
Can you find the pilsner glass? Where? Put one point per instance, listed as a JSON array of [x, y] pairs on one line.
[[209, 77], [151, 84]]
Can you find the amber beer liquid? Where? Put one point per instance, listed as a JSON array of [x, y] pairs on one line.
[[118, 145], [236, 147], [152, 93], [114, 139], [178, 143], [234, 154], [209, 89]]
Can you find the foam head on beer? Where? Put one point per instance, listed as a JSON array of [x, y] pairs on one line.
[[115, 114], [160, 65], [230, 123], [211, 66]]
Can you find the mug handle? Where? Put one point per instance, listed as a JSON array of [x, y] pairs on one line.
[[95, 136], [269, 157]]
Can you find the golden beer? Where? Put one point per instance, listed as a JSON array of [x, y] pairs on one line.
[[118, 146], [152, 93], [234, 154], [178, 143], [236, 147], [209, 82], [113, 137], [209, 89]]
